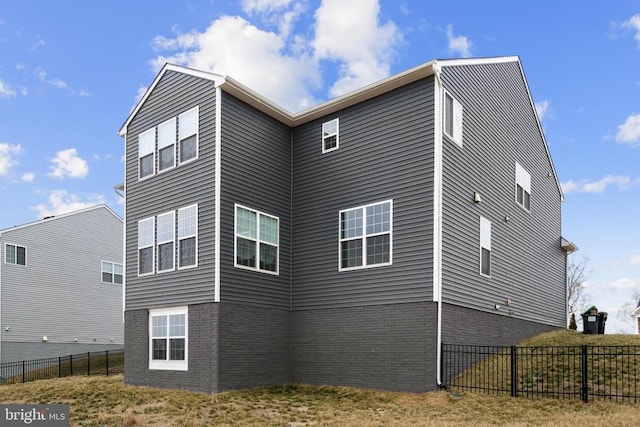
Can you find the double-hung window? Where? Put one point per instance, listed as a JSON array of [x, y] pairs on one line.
[[168, 332], [523, 187], [330, 135], [366, 236], [14, 254], [256, 245], [188, 134], [146, 152], [146, 229], [167, 145], [485, 247], [112, 272], [188, 236], [166, 238], [453, 118]]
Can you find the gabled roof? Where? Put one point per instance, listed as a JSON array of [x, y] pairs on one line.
[[242, 92], [53, 218]]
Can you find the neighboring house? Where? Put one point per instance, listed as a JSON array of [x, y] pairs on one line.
[[61, 285], [342, 244], [636, 316]]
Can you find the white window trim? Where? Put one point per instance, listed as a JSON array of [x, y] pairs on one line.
[[485, 243], [165, 145], [16, 246], [257, 240], [197, 134], [113, 274], [457, 119], [172, 240], [173, 365], [337, 135], [177, 245], [364, 237], [141, 154], [152, 246], [523, 178]]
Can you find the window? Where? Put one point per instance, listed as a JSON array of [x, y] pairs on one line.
[[167, 145], [187, 236], [145, 245], [14, 254], [485, 247], [166, 236], [168, 346], [188, 122], [112, 272], [523, 187], [330, 140], [365, 236], [146, 152], [453, 119], [256, 240]]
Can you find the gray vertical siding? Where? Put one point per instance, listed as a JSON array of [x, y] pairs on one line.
[[256, 173], [59, 293], [528, 264], [386, 152], [184, 185]]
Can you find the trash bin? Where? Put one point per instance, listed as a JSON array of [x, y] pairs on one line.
[[602, 319], [593, 322]]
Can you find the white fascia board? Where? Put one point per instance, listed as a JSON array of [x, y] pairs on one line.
[[216, 78], [55, 217]]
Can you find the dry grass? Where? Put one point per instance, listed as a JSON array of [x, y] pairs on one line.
[[107, 401]]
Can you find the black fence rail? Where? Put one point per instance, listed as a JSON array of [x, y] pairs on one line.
[[572, 372], [108, 362]]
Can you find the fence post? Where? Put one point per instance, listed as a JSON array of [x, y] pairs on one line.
[[514, 371], [70, 365], [88, 363], [583, 366], [60, 367], [23, 362], [106, 352]]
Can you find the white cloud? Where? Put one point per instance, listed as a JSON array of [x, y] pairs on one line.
[[586, 186], [289, 64], [542, 107], [8, 153], [629, 131], [61, 201], [458, 45], [232, 46], [352, 34], [634, 260], [67, 163], [624, 283], [42, 76], [28, 177], [633, 24], [6, 91]]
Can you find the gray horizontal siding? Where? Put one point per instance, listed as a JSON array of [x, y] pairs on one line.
[[528, 264], [59, 293], [386, 152], [256, 173], [191, 183]]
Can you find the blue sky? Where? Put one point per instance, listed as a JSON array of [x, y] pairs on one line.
[[71, 71]]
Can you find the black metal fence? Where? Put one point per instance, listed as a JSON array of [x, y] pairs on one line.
[[108, 362], [572, 372]]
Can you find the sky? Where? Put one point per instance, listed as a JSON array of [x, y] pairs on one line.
[[71, 72]]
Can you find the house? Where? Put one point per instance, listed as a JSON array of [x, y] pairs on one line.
[[61, 285], [636, 316], [342, 244]]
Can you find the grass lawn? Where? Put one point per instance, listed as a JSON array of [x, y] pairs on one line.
[[107, 401]]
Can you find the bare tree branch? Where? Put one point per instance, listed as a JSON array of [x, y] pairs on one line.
[[578, 272]]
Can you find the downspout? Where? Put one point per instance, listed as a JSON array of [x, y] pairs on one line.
[[216, 196], [437, 216]]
